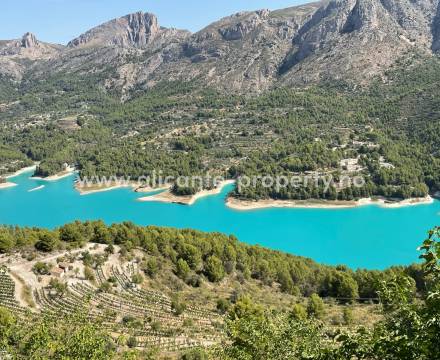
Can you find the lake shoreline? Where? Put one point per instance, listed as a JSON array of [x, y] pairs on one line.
[[21, 171], [7, 185], [168, 197], [88, 190], [61, 175], [247, 205]]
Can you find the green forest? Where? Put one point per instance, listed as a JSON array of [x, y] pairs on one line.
[[211, 256]]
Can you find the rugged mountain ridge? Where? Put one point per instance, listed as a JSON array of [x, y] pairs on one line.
[[357, 39], [137, 30], [29, 47], [352, 40], [16, 54]]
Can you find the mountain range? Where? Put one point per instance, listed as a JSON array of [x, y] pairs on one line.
[[351, 40]]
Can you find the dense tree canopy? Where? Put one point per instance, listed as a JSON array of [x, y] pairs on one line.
[[410, 328], [213, 255]]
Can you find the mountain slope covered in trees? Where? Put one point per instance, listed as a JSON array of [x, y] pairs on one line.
[[388, 129], [130, 97]]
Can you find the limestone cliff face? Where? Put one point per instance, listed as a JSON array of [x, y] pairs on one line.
[[353, 40], [238, 30], [29, 41], [358, 39], [241, 52], [135, 30]]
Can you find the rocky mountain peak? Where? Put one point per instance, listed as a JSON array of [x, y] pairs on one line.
[[142, 27], [248, 23], [133, 30], [363, 14], [29, 41]]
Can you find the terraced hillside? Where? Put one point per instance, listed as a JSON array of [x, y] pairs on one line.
[[150, 318], [170, 292]]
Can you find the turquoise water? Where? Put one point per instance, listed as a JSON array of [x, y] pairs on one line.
[[368, 237]]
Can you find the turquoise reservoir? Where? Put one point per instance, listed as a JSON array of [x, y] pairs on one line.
[[365, 237]]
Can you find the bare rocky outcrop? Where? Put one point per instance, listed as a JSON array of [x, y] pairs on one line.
[[250, 23], [241, 52], [133, 30], [358, 39], [29, 41]]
